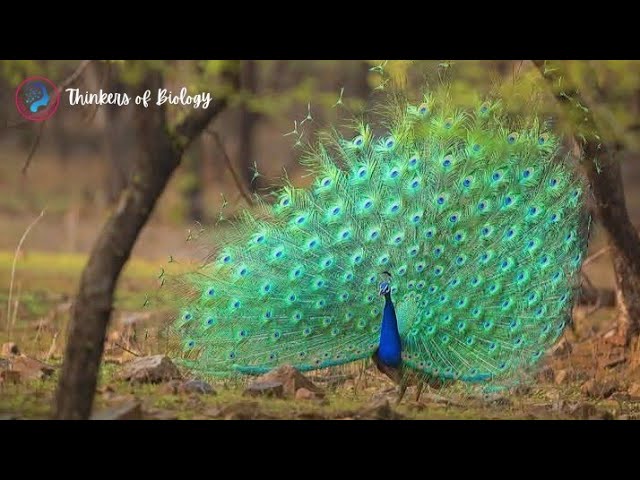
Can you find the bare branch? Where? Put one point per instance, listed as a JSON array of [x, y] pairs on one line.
[[227, 162], [62, 86], [65, 83], [33, 149]]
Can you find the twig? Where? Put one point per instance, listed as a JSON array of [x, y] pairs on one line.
[[595, 256], [103, 83], [127, 350], [65, 83], [62, 86], [225, 157], [34, 147], [52, 348], [591, 310], [13, 267]]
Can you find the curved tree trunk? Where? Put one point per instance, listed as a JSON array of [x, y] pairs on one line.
[[603, 172], [159, 155]]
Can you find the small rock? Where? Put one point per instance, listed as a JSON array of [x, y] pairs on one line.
[[304, 394], [634, 392], [153, 369], [546, 374], [30, 368], [291, 380], [598, 388], [380, 410], [10, 376], [265, 389], [131, 410], [9, 349], [197, 386]]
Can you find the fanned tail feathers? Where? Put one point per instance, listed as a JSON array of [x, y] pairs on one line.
[[482, 224]]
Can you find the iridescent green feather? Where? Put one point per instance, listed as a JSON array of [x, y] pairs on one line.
[[482, 225]]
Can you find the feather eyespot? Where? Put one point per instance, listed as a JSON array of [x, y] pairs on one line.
[[358, 141], [423, 109], [512, 138]]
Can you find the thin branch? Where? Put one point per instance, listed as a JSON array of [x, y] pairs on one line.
[[227, 161], [596, 255], [62, 86], [33, 149], [15, 260], [103, 83], [65, 83], [127, 350]]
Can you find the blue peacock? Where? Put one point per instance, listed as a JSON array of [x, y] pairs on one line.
[[449, 247]]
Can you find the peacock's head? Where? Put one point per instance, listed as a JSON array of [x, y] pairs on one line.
[[385, 285]]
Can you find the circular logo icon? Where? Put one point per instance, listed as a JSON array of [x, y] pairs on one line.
[[37, 98]]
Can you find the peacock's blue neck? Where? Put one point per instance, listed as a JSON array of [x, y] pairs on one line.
[[390, 347]]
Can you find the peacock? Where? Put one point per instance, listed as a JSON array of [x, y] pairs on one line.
[[448, 245]]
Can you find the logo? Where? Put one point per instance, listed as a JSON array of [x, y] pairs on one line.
[[37, 98]]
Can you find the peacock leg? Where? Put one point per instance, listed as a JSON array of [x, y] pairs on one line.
[[404, 383]]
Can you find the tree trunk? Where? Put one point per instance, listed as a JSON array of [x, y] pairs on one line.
[[604, 175], [159, 155], [119, 140], [246, 128]]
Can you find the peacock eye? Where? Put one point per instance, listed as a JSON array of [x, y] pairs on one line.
[[512, 138], [358, 141], [390, 142], [542, 139], [423, 109]]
